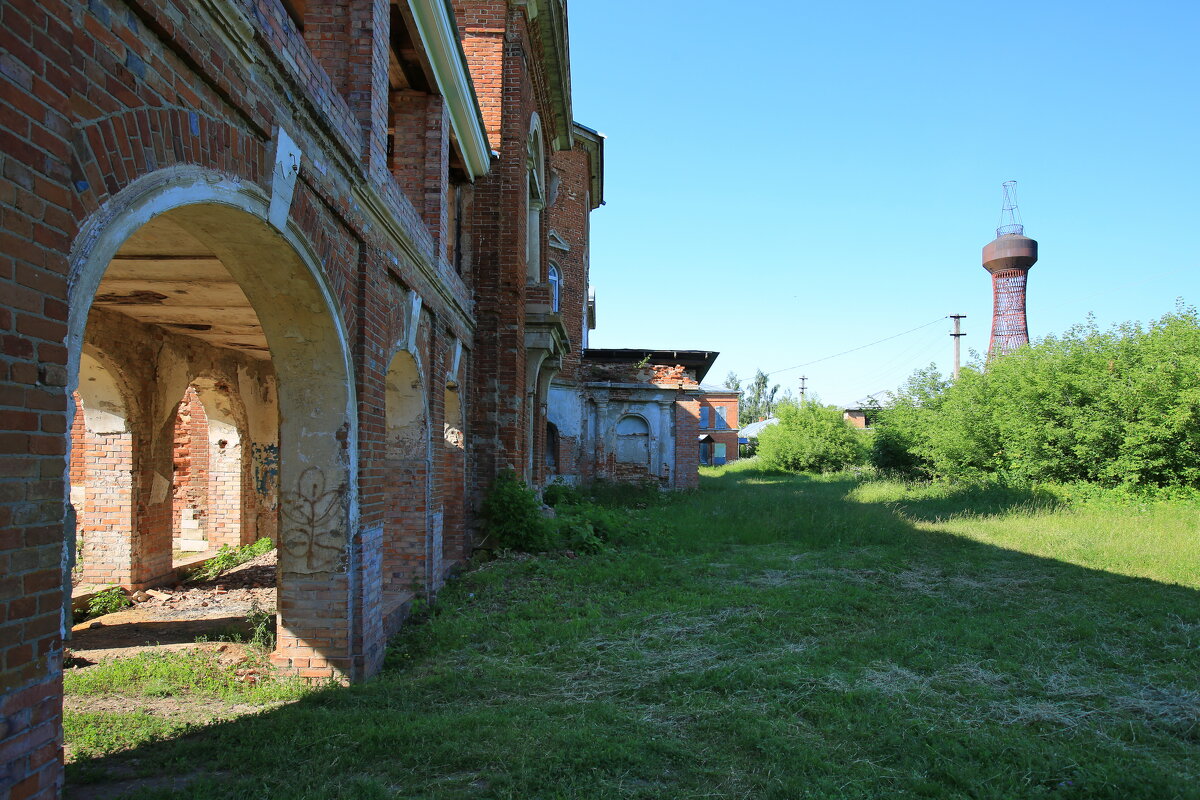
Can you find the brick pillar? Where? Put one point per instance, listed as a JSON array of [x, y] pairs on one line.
[[420, 127], [35, 232], [350, 40], [189, 488], [687, 451]]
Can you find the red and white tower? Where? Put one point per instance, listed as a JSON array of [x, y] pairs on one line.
[[1008, 258]]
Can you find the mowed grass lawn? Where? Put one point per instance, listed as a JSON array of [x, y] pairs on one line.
[[782, 637]]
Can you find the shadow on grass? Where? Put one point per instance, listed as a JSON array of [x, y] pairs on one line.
[[943, 503], [500, 705]]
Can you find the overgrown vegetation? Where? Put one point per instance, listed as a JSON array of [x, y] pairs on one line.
[[811, 437], [784, 636], [226, 558], [109, 601], [1115, 408], [582, 521]]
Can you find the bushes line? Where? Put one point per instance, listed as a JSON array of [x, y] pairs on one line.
[[1114, 408]]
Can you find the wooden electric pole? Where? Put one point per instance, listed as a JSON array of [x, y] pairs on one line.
[[957, 336]]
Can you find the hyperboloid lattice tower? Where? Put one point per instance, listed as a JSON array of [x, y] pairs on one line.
[[1008, 257]]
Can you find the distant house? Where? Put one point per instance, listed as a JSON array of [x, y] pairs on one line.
[[718, 437], [859, 417]]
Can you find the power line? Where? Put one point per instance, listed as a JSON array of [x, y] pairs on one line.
[[856, 349]]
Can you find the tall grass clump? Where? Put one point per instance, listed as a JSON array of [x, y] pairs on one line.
[[1115, 408]]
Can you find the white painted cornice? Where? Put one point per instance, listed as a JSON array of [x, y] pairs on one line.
[[439, 34], [552, 16], [593, 143]]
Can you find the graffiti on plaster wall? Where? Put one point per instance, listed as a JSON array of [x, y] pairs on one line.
[[265, 463], [312, 535]]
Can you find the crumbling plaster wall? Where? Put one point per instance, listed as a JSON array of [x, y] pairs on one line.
[[157, 368]]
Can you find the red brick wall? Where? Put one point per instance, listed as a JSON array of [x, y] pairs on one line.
[[189, 487], [687, 453], [567, 217], [98, 96], [503, 59]]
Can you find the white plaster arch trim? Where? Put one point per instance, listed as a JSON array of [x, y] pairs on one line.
[[633, 415], [106, 399], [104, 231], [537, 160], [100, 237]]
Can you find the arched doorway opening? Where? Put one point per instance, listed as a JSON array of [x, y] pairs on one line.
[[209, 480], [191, 287]]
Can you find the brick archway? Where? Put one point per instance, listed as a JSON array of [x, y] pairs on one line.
[[320, 626]]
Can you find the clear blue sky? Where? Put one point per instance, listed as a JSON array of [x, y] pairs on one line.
[[789, 180]]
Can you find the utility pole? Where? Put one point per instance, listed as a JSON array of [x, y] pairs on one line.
[[957, 336], [803, 385]]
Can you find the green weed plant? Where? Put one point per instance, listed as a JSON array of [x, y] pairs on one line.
[[226, 558]]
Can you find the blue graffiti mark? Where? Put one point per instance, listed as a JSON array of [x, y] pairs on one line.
[[266, 469]]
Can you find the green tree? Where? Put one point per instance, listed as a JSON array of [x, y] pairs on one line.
[[1116, 407], [811, 437], [759, 399]]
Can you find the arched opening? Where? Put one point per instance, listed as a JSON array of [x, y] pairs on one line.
[[207, 489], [555, 279], [535, 157], [192, 290], [551, 448], [408, 563]]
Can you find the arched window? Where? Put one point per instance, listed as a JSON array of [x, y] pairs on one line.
[[536, 171], [555, 278], [633, 440]]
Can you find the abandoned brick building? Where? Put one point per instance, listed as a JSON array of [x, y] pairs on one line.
[[299, 269]]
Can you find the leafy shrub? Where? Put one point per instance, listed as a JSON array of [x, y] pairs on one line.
[[109, 601], [810, 437], [1115, 408], [229, 557], [643, 494], [558, 493], [513, 517]]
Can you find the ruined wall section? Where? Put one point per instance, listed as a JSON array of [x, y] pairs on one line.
[[108, 103], [157, 368]]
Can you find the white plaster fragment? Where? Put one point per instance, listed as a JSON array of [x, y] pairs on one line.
[[159, 489], [283, 178]]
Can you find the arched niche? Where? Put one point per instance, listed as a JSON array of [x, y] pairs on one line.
[[408, 558], [633, 440]]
